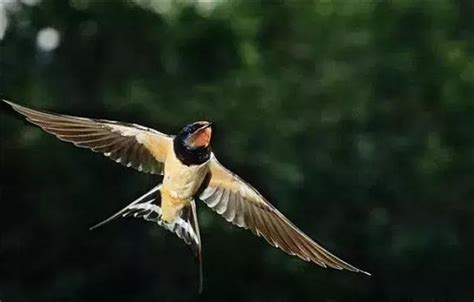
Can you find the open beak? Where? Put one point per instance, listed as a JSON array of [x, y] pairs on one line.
[[202, 137], [208, 125]]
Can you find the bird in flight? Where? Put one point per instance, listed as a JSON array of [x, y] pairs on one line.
[[190, 172]]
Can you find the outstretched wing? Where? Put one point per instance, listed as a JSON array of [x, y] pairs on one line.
[[186, 226], [131, 145], [241, 204]]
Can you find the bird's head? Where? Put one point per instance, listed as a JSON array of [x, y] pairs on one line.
[[196, 135], [192, 143]]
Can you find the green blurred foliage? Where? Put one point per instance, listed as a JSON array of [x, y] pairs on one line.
[[355, 118]]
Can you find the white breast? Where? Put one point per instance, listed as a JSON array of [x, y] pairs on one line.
[[183, 181]]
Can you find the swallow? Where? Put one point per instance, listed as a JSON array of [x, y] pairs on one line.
[[190, 172]]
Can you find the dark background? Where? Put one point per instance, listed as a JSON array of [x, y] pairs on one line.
[[355, 118]]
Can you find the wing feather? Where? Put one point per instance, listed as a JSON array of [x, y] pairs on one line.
[[244, 206], [131, 145]]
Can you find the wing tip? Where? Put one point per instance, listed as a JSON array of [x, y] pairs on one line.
[[9, 103], [356, 270], [18, 108], [365, 273]]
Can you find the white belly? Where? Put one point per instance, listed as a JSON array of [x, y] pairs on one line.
[[182, 181]]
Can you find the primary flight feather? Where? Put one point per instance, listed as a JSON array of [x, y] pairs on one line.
[[190, 172]]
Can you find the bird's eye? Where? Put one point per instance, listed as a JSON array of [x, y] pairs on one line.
[[190, 129]]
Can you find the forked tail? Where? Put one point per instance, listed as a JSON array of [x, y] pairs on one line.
[[186, 226]]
